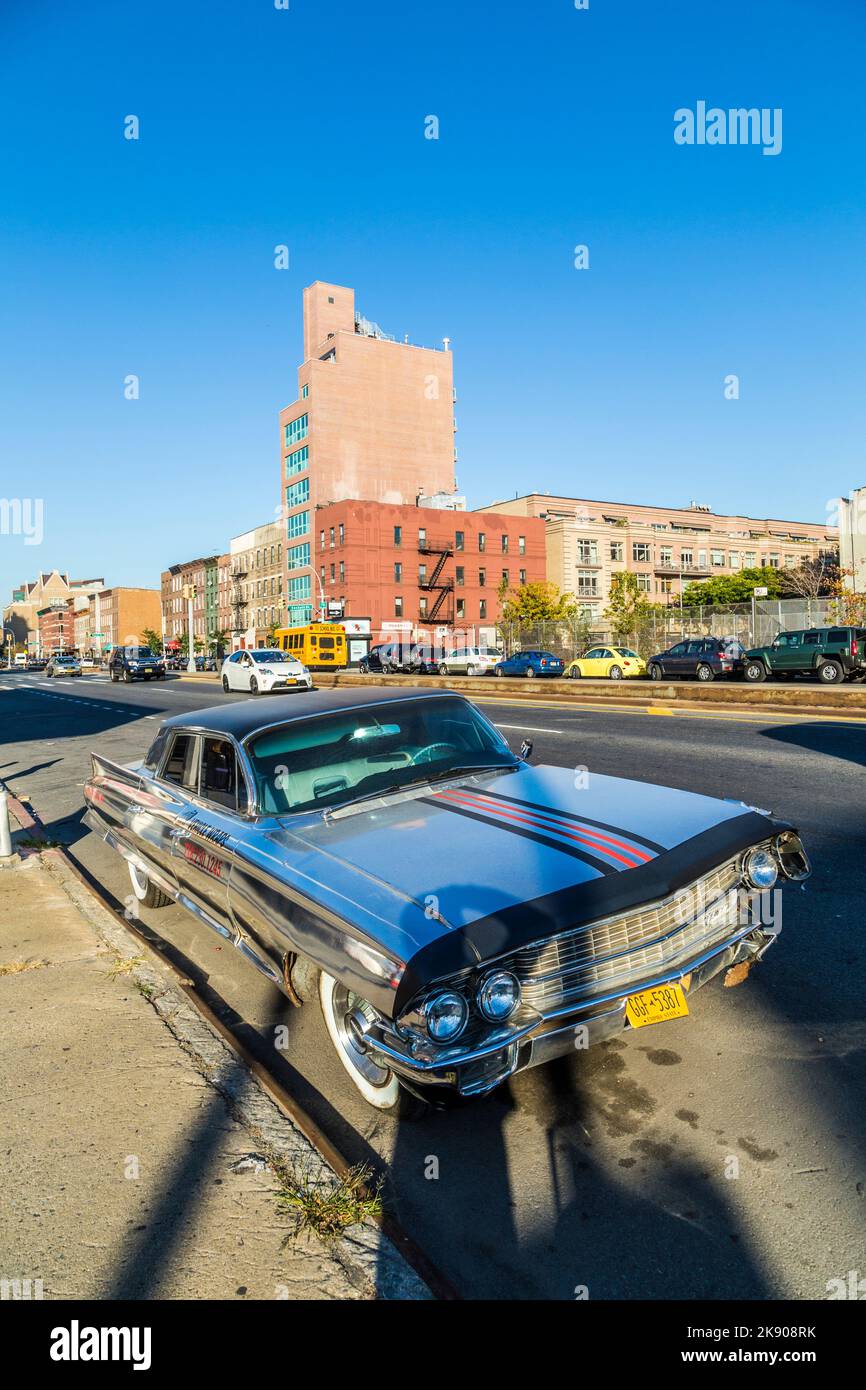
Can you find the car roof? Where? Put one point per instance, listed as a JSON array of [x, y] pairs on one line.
[[245, 717]]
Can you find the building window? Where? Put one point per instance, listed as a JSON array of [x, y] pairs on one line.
[[298, 461], [459, 540], [666, 586], [331, 537], [482, 608], [332, 574], [482, 578], [321, 540], [423, 605], [398, 572], [422, 574], [587, 583], [702, 559], [482, 541], [521, 545], [644, 583], [398, 535], [717, 557], [296, 430], [422, 537], [640, 552], [299, 588], [773, 561], [298, 525], [617, 550], [342, 571], [298, 556], [458, 575], [504, 545], [587, 552], [305, 391], [666, 557], [749, 560], [342, 533], [687, 559], [295, 494], [461, 608], [398, 608], [506, 579]]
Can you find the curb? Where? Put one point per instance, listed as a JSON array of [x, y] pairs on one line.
[[370, 1257]]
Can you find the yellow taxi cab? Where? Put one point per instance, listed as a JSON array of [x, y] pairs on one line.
[[615, 663]]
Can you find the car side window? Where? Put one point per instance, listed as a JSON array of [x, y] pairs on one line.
[[220, 782], [182, 763], [694, 648], [679, 649], [812, 639], [837, 634]]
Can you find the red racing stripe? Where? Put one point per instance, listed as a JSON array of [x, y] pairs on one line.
[[631, 860], [553, 816]]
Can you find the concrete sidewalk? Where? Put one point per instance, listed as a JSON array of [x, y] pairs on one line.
[[128, 1127]]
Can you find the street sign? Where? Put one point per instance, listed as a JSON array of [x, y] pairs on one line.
[[760, 593]]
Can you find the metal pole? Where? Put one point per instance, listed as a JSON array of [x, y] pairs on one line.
[[6, 851], [190, 665]]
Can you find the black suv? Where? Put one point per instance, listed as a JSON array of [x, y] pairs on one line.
[[135, 663], [408, 657], [703, 658], [828, 654]]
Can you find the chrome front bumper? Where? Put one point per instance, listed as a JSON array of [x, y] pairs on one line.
[[476, 1071]]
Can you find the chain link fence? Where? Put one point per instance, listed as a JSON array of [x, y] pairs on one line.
[[753, 625]]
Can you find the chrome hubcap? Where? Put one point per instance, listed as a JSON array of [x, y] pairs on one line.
[[353, 1017]]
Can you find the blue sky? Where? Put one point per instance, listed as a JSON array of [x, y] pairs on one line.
[[306, 127]]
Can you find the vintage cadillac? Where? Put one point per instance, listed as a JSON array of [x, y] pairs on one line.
[[460, 914]]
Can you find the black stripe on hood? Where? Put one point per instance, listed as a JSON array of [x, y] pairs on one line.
[[521, 923], [487, 816], [578, 820]]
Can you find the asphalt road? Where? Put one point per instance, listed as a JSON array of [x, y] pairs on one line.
[[719, 1156]]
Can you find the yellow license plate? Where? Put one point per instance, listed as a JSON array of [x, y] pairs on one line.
[[656, 1005]]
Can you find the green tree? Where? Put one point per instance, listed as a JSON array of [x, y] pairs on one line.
[[628, 606], [538, 602], [151, 639], [735, 588]]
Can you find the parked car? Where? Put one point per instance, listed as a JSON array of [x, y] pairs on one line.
[[135, 663], [701, 658], [615, 663], [469, 661], [457, 912], [36, 663], [264, 669], [408, 658], [63, 666], [530, 663], [828, 654]]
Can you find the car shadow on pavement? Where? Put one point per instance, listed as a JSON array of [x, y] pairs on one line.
[[830, 740]]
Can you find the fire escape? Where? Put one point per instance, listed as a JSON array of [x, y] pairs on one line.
[[442, 608], [238, 605]]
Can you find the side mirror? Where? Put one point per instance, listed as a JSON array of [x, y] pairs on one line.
[[526, 749]]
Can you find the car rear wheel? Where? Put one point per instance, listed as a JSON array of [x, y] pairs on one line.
[[705, 672], [755, 671], [615, 673], [127, 676], [499, 671], [530, 672], [830, 673], [113, 675], [573, 673], [364, 668], [473, 670], [443, 669], [347, 1017], [144, 890], [254, 686]]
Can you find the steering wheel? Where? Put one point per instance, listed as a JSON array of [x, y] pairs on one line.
[[433, 751]]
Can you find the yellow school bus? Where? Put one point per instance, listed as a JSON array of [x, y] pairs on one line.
[[320, 646]]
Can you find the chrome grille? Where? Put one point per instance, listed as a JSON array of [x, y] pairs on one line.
[[619, 952]]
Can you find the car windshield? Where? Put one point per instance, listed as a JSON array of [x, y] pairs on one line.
[[264, 657], [343, 757], [138, 653]]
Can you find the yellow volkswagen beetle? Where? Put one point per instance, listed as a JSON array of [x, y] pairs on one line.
[[614, 663]]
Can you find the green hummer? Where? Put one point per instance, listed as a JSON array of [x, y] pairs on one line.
[[828, 654]]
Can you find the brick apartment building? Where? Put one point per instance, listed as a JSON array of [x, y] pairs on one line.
[[257, 597], [20, 616], [665, 547], [56, 628], [212, 616], [430, 571], [118, 616], [374, 420]]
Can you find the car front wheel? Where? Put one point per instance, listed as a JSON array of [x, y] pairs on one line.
[[226, 684], [347, 1018], [530, 672], [655, 671], [363, 668], [499, 671], [755, 671], [127, 677], [254, 686]]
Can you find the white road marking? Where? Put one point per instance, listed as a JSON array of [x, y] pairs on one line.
[[531, 729]]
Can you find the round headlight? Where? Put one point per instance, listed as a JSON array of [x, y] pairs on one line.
[[445, 1016], [761, 868], [498, 996]]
